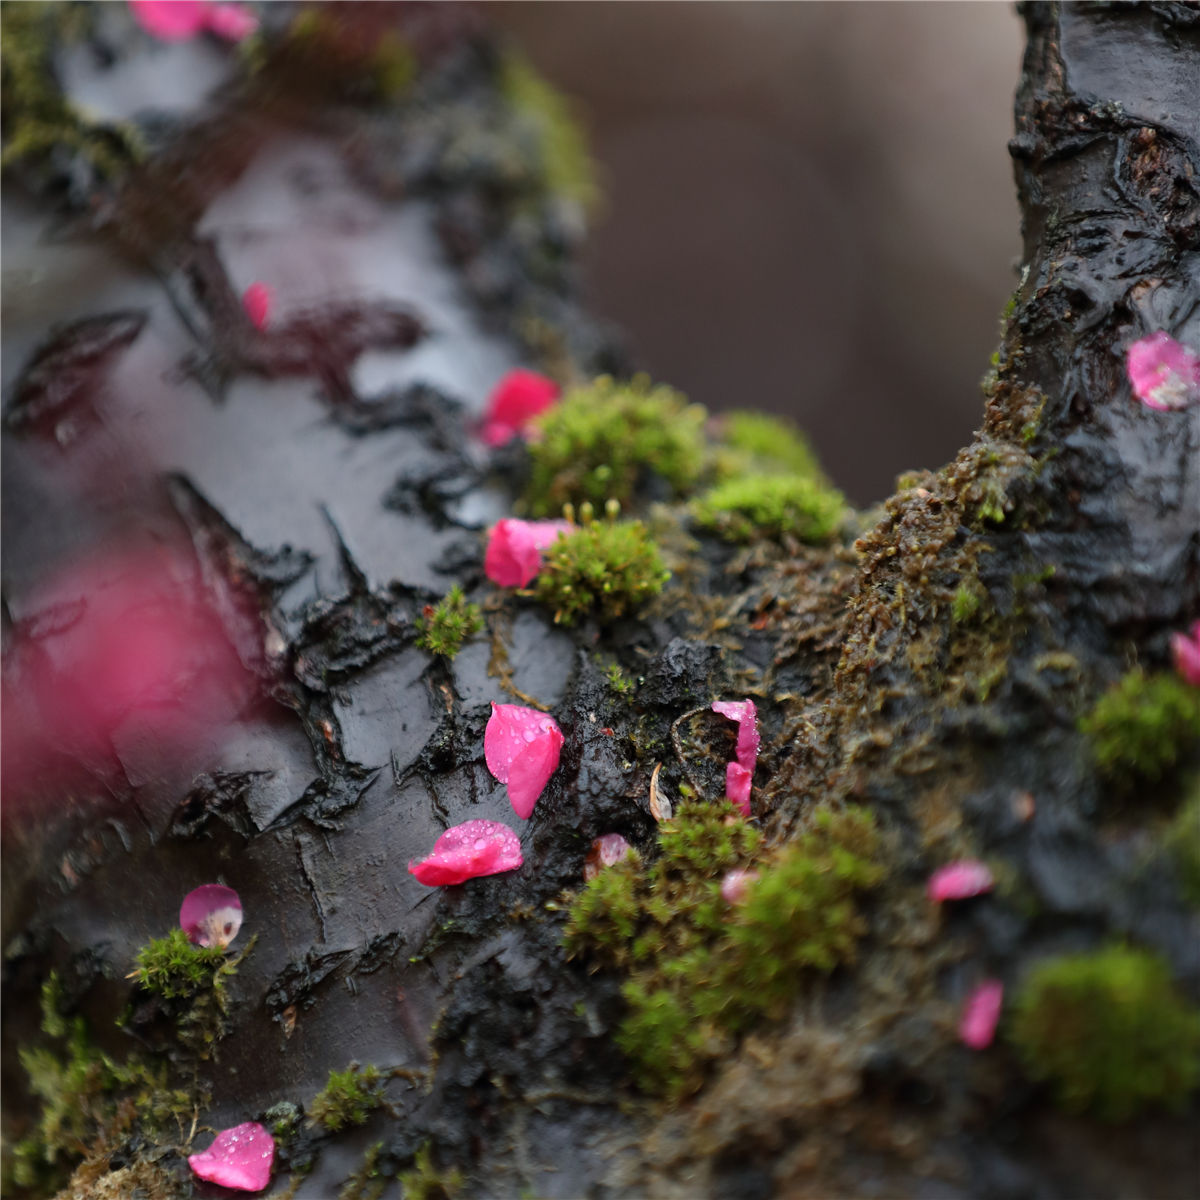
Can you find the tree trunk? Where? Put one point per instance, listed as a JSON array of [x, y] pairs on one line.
[[319, 484]]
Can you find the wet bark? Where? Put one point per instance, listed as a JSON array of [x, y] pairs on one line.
[[319, 485]]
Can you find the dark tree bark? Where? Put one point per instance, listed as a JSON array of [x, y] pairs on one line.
[[318, 512]]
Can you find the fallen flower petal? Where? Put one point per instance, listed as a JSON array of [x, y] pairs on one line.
[[735, 884], [469, 850], [607, 850], [241, 1158], [740, 774], [519, 397], [231, 21], [959, 881], [737, 787], [514, 550], [1165, 375], [981, 1014], [521, 747], [257, 300], [211, 915], [170, 20], [1185, 653]]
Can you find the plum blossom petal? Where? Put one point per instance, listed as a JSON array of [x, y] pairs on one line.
[[1185, 653], [170, 20], [257, 300], [231, 21], [740, 774], [959, 881], [607, 850], [735, 884], [467, 851], [514, 550], [981, 1014], [241, 1158], [737, 787], [211, 915], [521, 747], [1165, 375], [519, 397]]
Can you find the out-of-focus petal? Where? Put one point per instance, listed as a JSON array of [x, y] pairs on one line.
[[981, 1014], [241, 1158], [514, 551], [232, 22], [519, 397], [170, 20], [257, 300], [467, 851], [735, 884], [211, 915], [959, 881], [1185, 653], [607, 850], [1165, 375]]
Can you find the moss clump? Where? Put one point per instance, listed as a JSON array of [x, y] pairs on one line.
[[562, 149], [1109, 1032], [619, 680], [753, 506], [756, 442], [607, 567], [700, 971], [1143, 725], [966, 603], [443, 627], [424, 1181], [607, 440], [1182, 843], [348, 1098]]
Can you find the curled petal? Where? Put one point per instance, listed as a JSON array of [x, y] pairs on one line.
[[521, 747], [740, 774], [211, 915], [607, 850], [241, 1158], [737, 787], [257, 301], [959, 881], [1185, 653], [1165, 375], [469, 850], [514, 550], [519, 397], [981, 1014]]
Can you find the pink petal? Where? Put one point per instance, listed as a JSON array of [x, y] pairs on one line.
[[607, 850], [170, 20], [231, 21], [735, 884], [981, 1013], [469, 850], [959, 880], [211, 915], [519, 397], [514, 550], [746, 715], [257, 300], [239, 1158], [737, 787], [1164, 374], [1185, 653], [521, 747]]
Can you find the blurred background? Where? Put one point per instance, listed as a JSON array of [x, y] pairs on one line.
[[809, 207]]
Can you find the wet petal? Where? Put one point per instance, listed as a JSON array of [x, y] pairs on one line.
[[607, 850], [257, 300], [170, 20], [514, 551], [1185, 653], [519, 397], [737, 787], [241, 1158], [981, 1014], [959, 880], [469, 850], [521, 747], [746, 715], [1165, 375], [211, 915]]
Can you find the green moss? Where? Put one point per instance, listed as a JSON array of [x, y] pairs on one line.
[[424, 1181], [444, 627], [1109, 1032], [609, 568], [1143, 725], [756, 442], [607, 440], [1182, 843], [561, 144], [348, 1098], [700, 972], [753, 506], [619, 680], [966, 603]]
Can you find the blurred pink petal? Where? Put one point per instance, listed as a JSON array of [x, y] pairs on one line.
[[1164, 374], [467, 851], [257, 300], [519, 397], [170, 20], [737, 787], [231, 21], [735, 883], [739, 775], [981, 1014], [959, 881], [239, 1158], [1185, 653], [521, 747], [607, 850], [211, 915], [514, 550]]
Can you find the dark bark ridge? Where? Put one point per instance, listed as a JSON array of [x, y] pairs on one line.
[[874, 690]]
